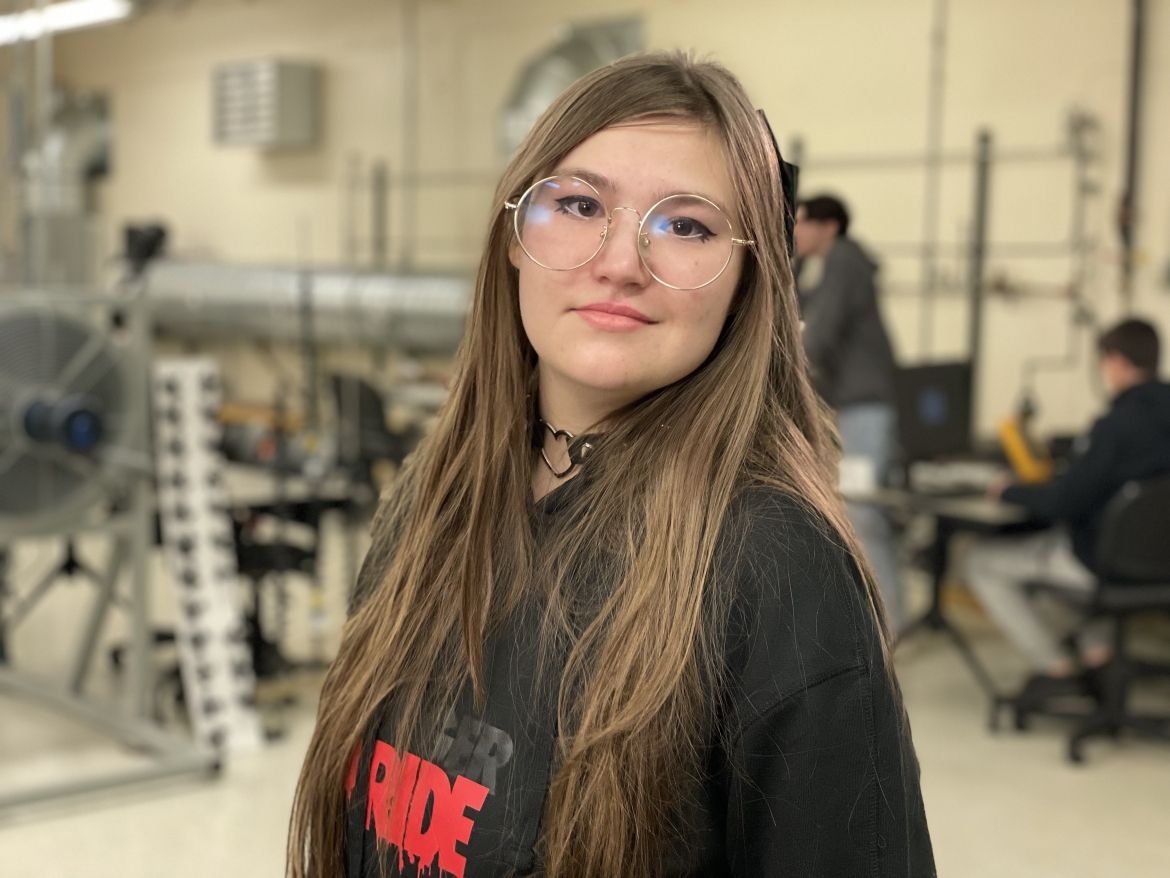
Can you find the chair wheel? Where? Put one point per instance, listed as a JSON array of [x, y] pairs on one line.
[[1075, 754]]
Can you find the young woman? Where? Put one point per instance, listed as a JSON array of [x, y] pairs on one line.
[[614, 621]]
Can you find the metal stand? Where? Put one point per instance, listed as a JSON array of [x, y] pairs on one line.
[[3, 600], [172, 756], [126, 723], [934, 619], [71, 568]]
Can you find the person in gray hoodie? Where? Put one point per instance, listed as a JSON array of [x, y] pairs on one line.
[[852, 363]]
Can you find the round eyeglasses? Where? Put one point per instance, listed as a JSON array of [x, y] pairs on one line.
[[685, 241]]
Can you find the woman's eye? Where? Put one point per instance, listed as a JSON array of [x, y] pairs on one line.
[[686, 227], [579, 206]]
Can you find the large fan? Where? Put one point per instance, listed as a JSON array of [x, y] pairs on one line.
[[64, 412], [74, 459]]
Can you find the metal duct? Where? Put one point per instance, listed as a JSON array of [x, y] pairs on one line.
[[422, 313]]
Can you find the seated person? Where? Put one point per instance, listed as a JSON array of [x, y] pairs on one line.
[[1131, 442]]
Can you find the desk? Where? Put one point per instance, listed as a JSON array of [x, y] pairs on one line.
[[974, 511], [952, 515]]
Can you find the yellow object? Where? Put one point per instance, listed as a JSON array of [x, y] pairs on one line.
[[246, 413], [1030, 465]]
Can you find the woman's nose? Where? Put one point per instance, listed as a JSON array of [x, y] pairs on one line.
[[620, 259]]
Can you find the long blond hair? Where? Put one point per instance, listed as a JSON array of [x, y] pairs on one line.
[[453, 551]]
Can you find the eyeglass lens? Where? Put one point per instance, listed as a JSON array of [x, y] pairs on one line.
[[684, 242]]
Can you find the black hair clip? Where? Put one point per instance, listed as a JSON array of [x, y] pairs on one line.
[[789, 177]]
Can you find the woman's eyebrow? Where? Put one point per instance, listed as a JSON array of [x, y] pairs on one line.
[[593, 178], [602, 183], [663, 193]]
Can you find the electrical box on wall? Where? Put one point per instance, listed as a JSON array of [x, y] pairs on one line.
[[266, 103]]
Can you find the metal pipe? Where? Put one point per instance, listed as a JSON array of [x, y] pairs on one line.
[[140, 514], [380, 216], [1006, 249], [12, 206], [1081, 127], [37, 254], [444, 179], [308, 345], [908, 161], [978, 258], [931, 188], [1038, 292], [1023, 154], [5, 596], [1128, 215], [912, 161], [307, 336], [349, 196], [410, 129], [1081, 315], [11, 185], [796, 151]]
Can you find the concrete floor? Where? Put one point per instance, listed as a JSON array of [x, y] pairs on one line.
[[999, 805]]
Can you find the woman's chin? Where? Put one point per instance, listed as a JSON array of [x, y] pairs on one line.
[[622, 384]]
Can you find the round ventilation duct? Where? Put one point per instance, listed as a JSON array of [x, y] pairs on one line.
[[585, 48]]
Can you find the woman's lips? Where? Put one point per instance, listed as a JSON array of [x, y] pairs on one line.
[[613, 317]]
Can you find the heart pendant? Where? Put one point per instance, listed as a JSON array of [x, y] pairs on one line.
[[566, 437]]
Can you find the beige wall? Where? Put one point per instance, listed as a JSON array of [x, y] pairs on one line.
[[848, 76]]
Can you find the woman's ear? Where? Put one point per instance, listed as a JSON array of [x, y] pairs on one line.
[[514, 253]]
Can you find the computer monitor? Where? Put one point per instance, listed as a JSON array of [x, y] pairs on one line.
[[934, 410]]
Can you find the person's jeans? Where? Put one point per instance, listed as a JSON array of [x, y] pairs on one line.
[[997, 570], [867, 431]]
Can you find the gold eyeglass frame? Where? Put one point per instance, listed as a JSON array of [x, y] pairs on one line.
[[643, 236]]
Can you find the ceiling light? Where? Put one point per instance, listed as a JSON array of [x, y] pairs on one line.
[[57, 17]]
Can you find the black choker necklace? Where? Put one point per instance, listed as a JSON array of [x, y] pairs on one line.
[[578, 446]]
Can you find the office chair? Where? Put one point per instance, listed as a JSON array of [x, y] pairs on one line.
[[1133, 577]]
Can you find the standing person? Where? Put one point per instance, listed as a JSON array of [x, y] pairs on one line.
[[613, 621], [1130, 442], [853, 367]]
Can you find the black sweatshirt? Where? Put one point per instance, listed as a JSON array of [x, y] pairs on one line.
[[1132, 441], [825, 782]]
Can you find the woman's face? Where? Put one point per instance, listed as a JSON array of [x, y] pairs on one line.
[[585, 349]]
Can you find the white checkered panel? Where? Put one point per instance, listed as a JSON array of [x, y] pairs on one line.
[[199, 544]]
